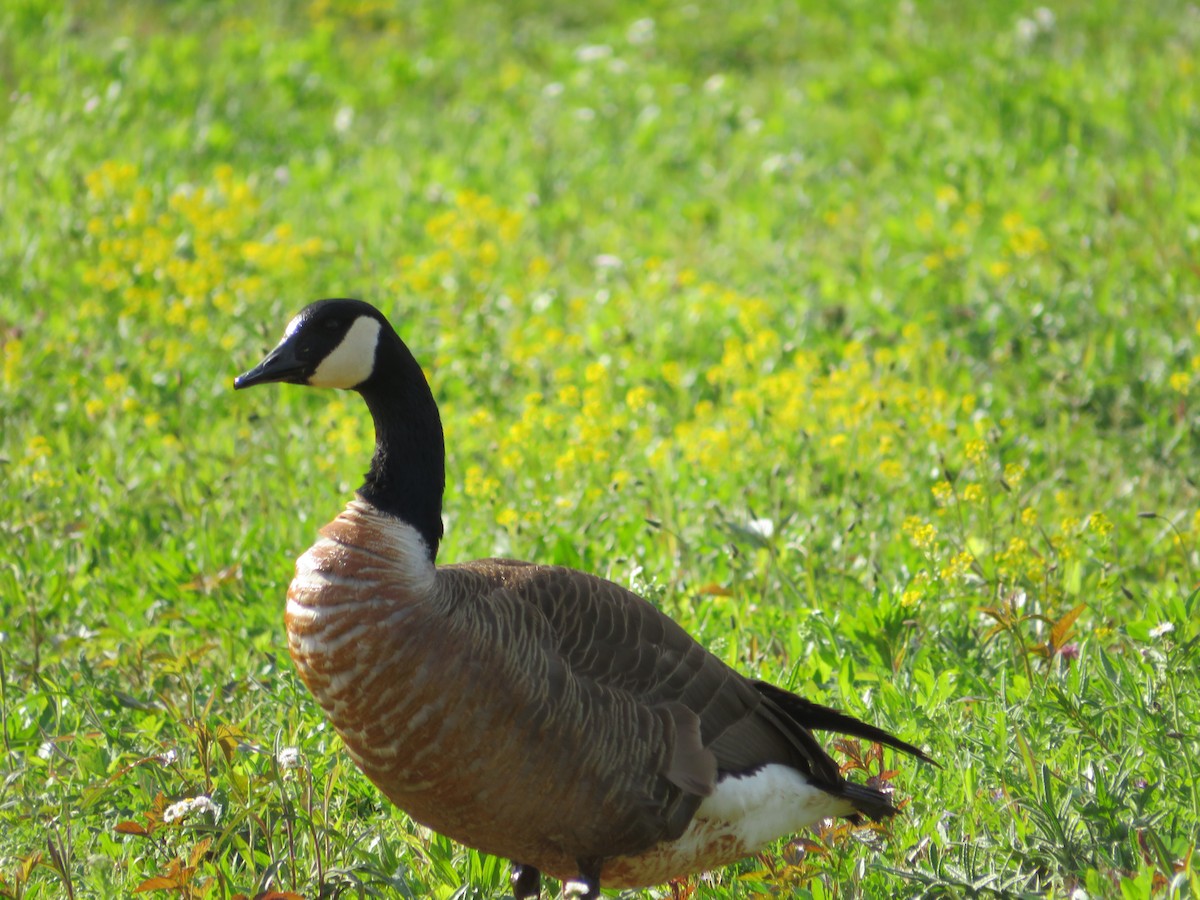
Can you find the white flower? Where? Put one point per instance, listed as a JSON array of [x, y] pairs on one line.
[[1162, 628], [640, 32], [288, 758], [1027, 31], [343, 119], [184, 808], [714, 83], [592, 53], [764, 528]]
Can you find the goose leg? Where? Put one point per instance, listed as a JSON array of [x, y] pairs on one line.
[[526, 882], [587, 885]]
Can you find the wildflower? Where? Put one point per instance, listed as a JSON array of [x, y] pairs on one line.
[[637, 398], [1014, 474], [921, 533], [946, 195], [915, 592], [1029, 516], [507, 517], [641, 31], [592, 53], [288, 758], [12, 360], [763, 528], [976, 451], [1100, 524], [972, 493], [1162, 628], [958, 566], [37, 448], [1180, 382], [184, 808], [1069, 651], [942, 492]]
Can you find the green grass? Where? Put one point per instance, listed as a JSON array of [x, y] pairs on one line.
[[915, 282]]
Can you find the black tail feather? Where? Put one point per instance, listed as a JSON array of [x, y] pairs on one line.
[[816, 717], [872, 803]]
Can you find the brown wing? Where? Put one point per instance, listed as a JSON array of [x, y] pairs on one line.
[[649, 718]]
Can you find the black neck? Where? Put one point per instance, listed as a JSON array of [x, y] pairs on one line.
[[408, 470]]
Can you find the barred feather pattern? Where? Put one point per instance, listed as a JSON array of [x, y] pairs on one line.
[[545, 715]]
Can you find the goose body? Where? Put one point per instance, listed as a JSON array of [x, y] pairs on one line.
[[533, 712]]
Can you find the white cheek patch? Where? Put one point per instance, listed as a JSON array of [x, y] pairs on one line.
[[352, 361]]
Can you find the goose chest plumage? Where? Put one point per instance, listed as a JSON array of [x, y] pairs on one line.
[[533, 712]]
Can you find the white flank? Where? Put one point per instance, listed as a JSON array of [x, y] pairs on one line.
[[773, 802], [351, 362]]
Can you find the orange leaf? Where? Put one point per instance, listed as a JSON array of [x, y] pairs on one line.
[[714, 590], [198, 852], [157, 883], [1062, 628], [130, 828]]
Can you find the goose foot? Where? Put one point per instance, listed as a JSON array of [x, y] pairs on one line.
[[587, 885], [526, 882]]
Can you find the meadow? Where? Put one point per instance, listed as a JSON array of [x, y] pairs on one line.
[[862, 337]]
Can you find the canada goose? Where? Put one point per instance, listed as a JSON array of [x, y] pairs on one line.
[[532, 712]]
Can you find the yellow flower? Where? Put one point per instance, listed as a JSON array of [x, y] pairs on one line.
[[972, 493], [1099, 523], [976, 451], [1029, 516], [637, 398], [507, 517], [1014, 474], [1180, 382], [915, 592], [942, 492], [13, 351], [36, 448], [921, 533], [946, 195], [958, 566], [891, 469], [672, 373]]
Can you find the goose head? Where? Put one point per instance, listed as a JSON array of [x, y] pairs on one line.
[[349, 344], [330, 343]]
